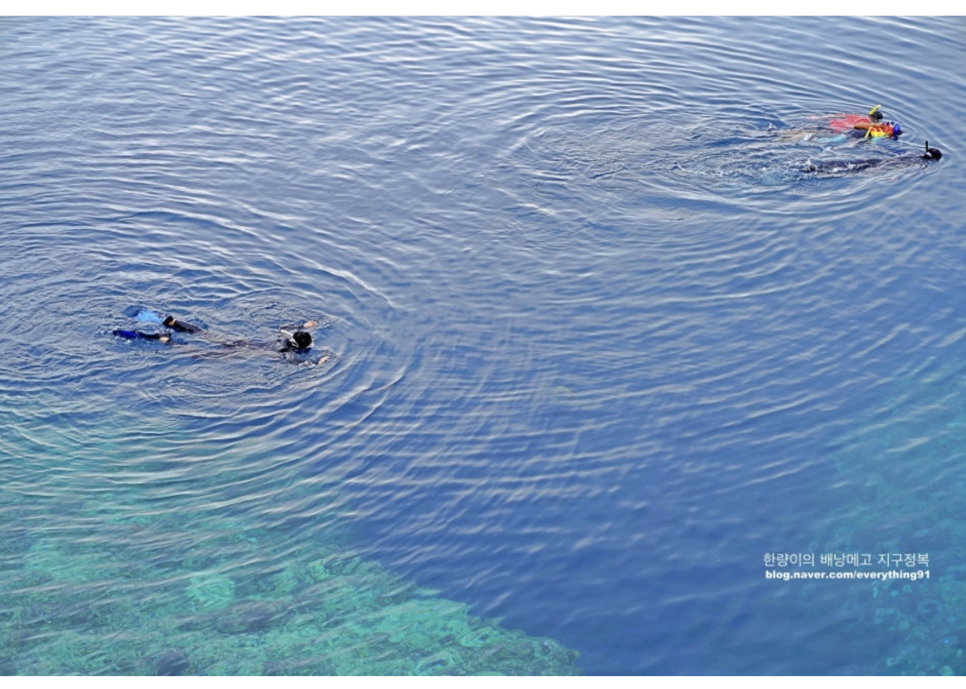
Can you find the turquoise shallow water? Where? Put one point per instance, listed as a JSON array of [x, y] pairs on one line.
[[597, 345]]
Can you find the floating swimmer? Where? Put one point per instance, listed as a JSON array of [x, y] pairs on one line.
[[844, 126], [902, 160], [294, 343]]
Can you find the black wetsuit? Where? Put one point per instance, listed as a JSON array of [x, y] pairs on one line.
[[293, 351], [899, 161], [181, 326], [281, 346], [294, 347]]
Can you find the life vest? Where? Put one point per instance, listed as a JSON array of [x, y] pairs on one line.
[[844, 123], [883, 129]]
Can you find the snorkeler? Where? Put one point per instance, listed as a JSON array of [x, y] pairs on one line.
[[902, 160], [844, 126], [294, 344]]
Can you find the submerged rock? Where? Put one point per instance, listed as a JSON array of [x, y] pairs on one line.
[[249, 616], [927, 609], [172, 663]]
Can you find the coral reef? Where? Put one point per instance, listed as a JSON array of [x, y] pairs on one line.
[[68, 608], [902, 501]]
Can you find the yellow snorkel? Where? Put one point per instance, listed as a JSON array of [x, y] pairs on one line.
[[874, 116]]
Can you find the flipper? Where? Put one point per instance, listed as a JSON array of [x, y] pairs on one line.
[[148, 316], [142, 314], [138, 335]]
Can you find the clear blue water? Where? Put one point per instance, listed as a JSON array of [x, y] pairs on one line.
[[597, 345]]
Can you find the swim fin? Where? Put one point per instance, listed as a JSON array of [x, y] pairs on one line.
[[148, 316], [138, 335]]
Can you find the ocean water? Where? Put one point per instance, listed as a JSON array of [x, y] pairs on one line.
[[594, 346]]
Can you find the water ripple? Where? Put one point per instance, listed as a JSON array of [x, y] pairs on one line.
[[592, 332]]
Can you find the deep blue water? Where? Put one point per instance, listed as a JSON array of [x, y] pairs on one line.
[[597, 344]]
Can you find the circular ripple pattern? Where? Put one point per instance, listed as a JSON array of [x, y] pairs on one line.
[[596, 341]]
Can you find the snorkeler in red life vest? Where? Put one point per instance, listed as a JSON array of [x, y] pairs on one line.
[[871, 124], [844, 126]]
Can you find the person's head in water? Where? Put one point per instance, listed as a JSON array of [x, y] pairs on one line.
[[300, 340], [875, 115], [932, 153]]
